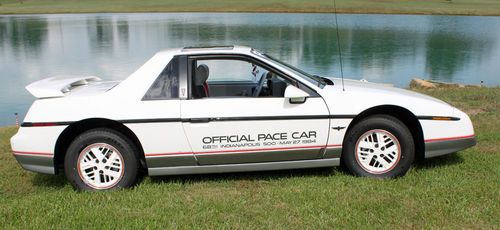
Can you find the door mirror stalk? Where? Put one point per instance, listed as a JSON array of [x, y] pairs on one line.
[[295, 95]]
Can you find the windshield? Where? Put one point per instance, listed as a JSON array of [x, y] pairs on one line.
[[316, 80]]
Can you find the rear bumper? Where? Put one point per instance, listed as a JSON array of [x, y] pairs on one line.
[[36, 163], [33, 147], [434, 148]]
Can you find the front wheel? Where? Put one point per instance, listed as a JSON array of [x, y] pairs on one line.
[[379, 146], [101, 159]]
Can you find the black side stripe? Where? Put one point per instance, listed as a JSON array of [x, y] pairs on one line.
[[159, 120], [44, 124], [194, 120], [208, 119], [344, 116], [264, 118]]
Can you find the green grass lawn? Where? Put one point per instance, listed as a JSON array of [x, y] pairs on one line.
[[461, 7], [456, 191]]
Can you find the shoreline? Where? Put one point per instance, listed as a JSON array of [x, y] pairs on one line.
[[250, 12], [410, 7]]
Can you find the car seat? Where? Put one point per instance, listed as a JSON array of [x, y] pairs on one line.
[[200, 88]]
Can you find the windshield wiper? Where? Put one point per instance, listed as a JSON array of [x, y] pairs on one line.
[[319, 80], [322, 80], [327, 81]]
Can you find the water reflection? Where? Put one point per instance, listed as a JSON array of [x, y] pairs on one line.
[[100, 31], [447, 52], [380, 48], [106, 34], [122, 27], [445, 55], [24, 36]]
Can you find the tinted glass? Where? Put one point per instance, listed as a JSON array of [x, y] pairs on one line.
[[228, 70], [166, 85], [235, 78]]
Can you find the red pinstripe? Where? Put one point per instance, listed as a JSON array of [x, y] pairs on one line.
[[31, 153], [242, 150], [449, 138]]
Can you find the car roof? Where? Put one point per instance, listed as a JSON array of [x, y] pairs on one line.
[[205, 49]]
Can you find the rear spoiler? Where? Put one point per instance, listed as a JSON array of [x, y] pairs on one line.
[[57, 86]]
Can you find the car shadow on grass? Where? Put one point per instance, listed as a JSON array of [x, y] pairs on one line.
[[59, 181], [49, 181], [438, 162], [428, 164], [250, 176]]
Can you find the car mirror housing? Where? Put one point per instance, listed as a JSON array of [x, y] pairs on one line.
[[295, 95]]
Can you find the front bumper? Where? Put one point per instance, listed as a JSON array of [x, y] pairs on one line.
[[441, 147]]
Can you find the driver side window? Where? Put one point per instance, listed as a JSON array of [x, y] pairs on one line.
[[234, 78]]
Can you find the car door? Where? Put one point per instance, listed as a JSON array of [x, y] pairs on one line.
[[231, 116]]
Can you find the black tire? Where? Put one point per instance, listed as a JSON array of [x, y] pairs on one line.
[[128, 167], [390, 127]]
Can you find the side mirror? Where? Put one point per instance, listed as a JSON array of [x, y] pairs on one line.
[[295, 95]]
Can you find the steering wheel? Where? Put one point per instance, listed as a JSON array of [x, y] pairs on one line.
[[260, 84]]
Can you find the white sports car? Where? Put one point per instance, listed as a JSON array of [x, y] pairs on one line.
[[226, 109]]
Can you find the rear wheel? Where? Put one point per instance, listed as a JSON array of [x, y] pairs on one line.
[[101, 159], [379, 146]]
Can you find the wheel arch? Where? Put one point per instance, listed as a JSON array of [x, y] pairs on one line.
[[404, 115], [79, 127]]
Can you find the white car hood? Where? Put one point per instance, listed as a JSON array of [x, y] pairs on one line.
[[355, 85], [359, 96]]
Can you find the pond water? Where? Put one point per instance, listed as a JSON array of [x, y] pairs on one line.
[[379, 48]]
